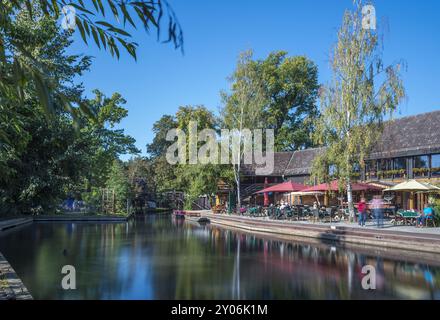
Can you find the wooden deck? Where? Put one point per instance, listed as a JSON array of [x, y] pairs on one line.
[[11, 287], [421, 240]]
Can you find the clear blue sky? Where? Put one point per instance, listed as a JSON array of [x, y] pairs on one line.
[[216, 31]]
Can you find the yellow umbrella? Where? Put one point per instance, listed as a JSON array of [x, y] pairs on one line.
[[413, 186]]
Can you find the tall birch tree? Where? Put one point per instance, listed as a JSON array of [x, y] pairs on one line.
[[362, 93], [242, 112]]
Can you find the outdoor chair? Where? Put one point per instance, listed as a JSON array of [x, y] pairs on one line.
[[315, 215], [299, 213], [430, 220], [279, 214], [270, 211], [288, 212], [257, 211], [327, 214]]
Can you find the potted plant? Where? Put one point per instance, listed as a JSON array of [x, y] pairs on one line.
[[420, 171]]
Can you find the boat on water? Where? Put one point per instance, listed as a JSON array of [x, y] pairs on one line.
[[179, 214], [185, 213]]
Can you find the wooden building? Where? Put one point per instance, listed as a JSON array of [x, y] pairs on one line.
[[408, 149]]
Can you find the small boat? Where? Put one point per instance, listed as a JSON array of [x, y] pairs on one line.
[[185, 213], [180, 214]]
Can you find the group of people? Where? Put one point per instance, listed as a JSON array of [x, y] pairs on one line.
[[376, 205]]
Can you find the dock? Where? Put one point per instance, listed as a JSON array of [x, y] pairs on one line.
[[11, 287], [392, 237]]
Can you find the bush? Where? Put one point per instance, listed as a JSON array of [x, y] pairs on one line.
[[436, 206]]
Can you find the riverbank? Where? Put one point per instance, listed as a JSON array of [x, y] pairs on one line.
[[11, 287], [402, 238], [158, 210], [12, 223], [77, 218], [7, 224]]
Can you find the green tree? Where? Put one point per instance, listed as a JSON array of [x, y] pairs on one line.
[[160, 129], [19, 67], [104, 142], [290, 86], [119, 183], [243, 109], [44, 158], [362, 93], [37, 163], [165, 179], [193, 179], [196, 179]]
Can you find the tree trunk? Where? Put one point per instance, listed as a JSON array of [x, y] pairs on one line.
[[238, 197], [350, 201]]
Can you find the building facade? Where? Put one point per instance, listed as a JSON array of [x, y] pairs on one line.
[[409, 148]]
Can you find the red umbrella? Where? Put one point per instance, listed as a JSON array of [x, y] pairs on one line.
[[287, 186], [334, 186], [266, 195]]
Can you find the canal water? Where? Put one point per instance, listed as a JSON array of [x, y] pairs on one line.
[[158, 257]]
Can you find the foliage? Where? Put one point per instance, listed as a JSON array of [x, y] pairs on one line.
[[277, 93], [194, 179], [354, 104], [290, 85], [19, 63], [119, 182], [43, 159], [160, 128], [104, 142], [243, 109]]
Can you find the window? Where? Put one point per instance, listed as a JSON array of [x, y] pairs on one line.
[[356, 171], [399, 167], [421, 166], [371, 169], [435, 165], [385, 169]]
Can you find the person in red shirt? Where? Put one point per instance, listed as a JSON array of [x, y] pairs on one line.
[[362, 209]]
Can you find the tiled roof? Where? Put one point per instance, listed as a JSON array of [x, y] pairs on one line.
[[301, 161], [281, 160], [406, 136], [413, 135]]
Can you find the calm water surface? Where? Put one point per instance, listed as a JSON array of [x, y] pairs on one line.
[[156, 257]]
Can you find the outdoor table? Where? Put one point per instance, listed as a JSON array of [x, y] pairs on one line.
[[408, 217]]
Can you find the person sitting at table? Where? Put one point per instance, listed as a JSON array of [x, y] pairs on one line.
[[426, 214]]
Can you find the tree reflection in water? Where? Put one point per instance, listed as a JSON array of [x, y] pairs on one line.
[[158, 257]]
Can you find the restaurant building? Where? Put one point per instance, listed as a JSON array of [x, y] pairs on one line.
[[409, 148]]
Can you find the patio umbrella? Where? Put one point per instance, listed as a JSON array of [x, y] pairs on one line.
[[287, 186], [310, 193], [413, 186], [334, 186]]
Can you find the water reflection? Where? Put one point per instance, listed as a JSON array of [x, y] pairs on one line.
[[156, 257]]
